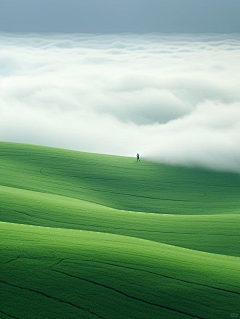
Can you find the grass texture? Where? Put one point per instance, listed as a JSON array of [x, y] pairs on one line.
[[96, 236]]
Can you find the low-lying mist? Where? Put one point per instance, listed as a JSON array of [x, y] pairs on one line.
[[172, 98]]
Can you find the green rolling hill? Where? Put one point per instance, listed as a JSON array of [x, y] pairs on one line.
[[97, 236]]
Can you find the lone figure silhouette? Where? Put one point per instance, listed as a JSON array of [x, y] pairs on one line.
[[138, 159]]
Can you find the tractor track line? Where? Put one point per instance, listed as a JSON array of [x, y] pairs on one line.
[[128, 296], [51, 297]]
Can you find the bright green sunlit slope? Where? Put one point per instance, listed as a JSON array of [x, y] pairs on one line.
[[96, 236]]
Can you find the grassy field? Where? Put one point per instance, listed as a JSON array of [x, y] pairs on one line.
[[97, 236]]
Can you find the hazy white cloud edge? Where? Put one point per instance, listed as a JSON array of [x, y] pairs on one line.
[[172, 98]]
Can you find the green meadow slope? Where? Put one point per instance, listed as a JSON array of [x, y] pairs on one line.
[[97, 236]]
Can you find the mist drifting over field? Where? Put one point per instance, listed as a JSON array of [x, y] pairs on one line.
[[172, 98]]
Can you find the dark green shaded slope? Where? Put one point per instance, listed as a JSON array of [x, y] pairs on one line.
[[119, 182], [56, 273]]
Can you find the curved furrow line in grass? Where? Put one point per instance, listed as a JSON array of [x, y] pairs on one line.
[[120, 228], [127, 295], [125, 267], [11, 260], [54, 298], [108, 192], [118, 193], [105, 226], [172, 232], [161, 275], [83, 177], [122, 266], [36, 258], [9, 316], [62, 222]]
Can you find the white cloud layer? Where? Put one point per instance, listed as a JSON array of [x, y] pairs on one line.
[[173, 99]]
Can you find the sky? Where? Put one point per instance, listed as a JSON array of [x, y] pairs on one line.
[[172, 98], [114, 16]]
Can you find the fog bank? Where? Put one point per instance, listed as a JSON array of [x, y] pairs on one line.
[[172, 98]]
